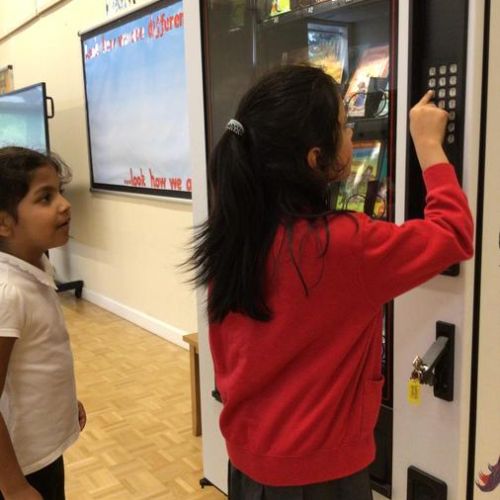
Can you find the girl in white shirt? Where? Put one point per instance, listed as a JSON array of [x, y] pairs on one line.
[[40, 416]]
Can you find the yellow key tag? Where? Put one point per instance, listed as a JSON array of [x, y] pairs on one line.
[[414, 391]]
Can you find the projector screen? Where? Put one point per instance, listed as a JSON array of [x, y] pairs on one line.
[[135, 87]]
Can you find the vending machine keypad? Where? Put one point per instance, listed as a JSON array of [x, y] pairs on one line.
[[437, 61], [445, 87]]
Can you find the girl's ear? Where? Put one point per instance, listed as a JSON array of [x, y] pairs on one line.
[[6, 224], [312, 157]]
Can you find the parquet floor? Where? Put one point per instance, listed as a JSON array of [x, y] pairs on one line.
[[135, 387]]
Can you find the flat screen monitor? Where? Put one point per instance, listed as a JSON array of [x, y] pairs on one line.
[[23, 118]]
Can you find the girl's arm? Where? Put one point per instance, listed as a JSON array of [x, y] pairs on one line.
[[13, 484], [397, 258], [428, 128]]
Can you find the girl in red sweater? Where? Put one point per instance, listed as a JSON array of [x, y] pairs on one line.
[[296, 291]]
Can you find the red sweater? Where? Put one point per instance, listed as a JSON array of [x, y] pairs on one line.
[[301, 393]]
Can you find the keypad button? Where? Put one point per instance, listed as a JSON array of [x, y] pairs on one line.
[[452, 103], [442, 81], [453, 68], [451, 127], [432, 83], [452, 115], [443, 69], [442, 93], [432, 71], [453, 92], [451, 139], [442, 104], [453, 80]]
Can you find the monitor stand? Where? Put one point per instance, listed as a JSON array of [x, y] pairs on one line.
[[77, 286]]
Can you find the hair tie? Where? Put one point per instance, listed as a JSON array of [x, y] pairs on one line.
[[235, 127]]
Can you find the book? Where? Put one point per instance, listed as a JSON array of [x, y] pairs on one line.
[[327, 48], [380, 206], [238, 10], [279, 7], [364, 169], [373, 63]]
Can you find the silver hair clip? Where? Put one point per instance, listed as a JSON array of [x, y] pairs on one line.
[[235, 126]]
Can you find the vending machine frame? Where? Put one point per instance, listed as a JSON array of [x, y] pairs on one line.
[[428, 441]]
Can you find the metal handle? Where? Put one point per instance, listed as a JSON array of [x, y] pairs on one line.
[[423, 368], [51, 114]]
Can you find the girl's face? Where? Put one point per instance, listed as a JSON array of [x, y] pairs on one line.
[[344, 154], [43, 217]]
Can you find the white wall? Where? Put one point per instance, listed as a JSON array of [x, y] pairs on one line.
[[127, 249], [488, 402]]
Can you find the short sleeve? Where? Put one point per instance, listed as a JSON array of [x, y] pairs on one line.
[[11, 311]]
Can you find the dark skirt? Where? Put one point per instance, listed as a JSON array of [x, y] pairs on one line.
[[355, 487], [49, 481]]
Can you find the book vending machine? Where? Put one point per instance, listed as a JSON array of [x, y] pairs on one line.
[[385, 54]]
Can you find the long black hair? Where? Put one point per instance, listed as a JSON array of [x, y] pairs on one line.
[[261, 179]]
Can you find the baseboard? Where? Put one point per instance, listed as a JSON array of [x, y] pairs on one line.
[[153, 325]]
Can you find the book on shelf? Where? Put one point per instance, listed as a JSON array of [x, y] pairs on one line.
[[380, 205], [278, 7], [237, 14], [353, 191], [328, 48], [373, 63]]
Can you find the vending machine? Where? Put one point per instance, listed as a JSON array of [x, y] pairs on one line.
[[384, 54]]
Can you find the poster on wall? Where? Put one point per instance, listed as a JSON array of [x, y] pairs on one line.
[[115, 6], [136, 98], [6, 79]]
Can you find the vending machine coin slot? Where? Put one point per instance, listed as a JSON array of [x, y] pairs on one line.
[[423, 486]]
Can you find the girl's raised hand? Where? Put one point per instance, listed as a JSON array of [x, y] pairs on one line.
[[428, 128]]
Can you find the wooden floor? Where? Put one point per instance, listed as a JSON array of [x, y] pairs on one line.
[[135, 386]]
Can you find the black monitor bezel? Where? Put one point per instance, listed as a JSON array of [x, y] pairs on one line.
[[43, 86]]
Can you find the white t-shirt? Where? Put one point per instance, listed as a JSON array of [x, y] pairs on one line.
[[39, 402]]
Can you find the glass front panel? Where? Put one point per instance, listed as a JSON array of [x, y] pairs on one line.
[[352, 40], [355, 42]]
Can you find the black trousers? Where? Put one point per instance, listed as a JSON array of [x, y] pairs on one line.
[[49, 481], [355, 487]]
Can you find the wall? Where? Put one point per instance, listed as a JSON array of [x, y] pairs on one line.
[[127, 249], [488, 402]]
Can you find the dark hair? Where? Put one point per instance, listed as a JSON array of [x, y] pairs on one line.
[[261, 179], [17, 166]]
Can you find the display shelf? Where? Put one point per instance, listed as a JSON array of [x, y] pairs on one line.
[[308, 8], [370, 128]]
